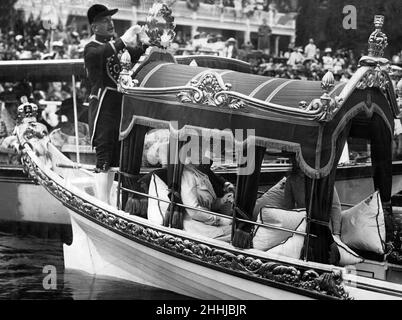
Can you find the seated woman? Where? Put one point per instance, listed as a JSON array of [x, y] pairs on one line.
[[198, 192], [202, 189]]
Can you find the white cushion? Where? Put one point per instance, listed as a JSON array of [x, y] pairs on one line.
[[156, 213], [157, 209], [274, 197], [347, 255], [266, 238], [363, 226], [292, 246]]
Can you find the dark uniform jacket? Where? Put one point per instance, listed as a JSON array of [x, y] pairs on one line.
[[102, 64]]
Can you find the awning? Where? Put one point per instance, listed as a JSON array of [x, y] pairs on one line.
[[282, 127]]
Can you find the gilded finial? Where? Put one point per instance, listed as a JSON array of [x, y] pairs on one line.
[[326, 104], [378, 40], [125, 79], [125, 60], [328, 82]]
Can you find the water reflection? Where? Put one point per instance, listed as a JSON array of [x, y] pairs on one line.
[[22, 259]]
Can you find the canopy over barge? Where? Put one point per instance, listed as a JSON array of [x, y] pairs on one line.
[[310, 119]]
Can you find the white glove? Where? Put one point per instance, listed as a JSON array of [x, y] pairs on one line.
[[130, 36]]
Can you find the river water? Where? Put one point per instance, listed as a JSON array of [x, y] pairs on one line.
[[22, 275]]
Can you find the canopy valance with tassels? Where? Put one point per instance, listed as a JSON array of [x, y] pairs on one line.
[[282, 113]]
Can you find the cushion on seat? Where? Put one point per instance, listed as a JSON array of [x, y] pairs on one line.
[[292, 246], [348, 256], [363, 225], [157, 209], [266, 238], [274, 197]]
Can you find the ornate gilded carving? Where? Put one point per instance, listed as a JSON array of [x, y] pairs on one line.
[[125, 80], [326, 284], [326, 106], [210, 89], [207, 86], [374, 78]]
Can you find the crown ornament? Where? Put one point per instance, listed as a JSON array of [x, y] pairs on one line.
[[378, 40], [377, 43], [26, 111]]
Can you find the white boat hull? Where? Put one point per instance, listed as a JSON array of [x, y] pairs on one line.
[[103, 252], [109, 242]]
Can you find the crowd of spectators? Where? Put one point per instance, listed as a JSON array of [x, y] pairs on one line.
[[308, 63], [248, 6], [304, 63], [36, 42], [55, 104]]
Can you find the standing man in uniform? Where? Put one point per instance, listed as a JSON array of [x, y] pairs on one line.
[[102, 63], [264, 35]]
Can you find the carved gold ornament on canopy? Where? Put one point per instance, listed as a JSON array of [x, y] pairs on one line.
[[210, 89]]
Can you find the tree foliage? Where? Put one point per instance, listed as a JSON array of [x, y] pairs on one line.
[[323, 21], [7, 14]]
